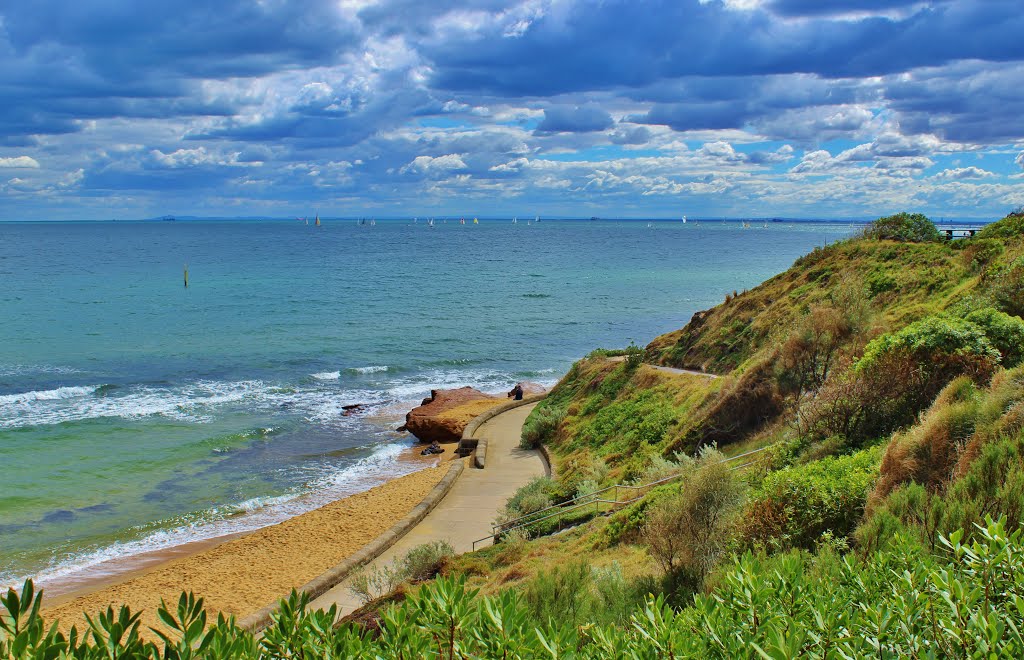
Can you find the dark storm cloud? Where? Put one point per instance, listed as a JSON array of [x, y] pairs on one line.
[[624, 44], [968, 102], [92, 59]]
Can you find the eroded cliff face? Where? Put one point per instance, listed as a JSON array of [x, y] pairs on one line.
[[445, 413]]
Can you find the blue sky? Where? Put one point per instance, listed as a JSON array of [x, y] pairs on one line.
[[648, 108]]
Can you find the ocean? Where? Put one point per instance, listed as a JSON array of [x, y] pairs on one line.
[[137, 414]]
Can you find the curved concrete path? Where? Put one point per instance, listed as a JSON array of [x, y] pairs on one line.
[[668, 370], [469, 508]]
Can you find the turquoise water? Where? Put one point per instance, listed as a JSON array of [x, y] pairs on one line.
[[136, 414]]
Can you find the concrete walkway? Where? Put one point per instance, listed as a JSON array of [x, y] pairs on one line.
[[466, 513], [668, 370]]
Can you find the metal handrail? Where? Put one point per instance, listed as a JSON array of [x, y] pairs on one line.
[[513, 523], [522, 522]]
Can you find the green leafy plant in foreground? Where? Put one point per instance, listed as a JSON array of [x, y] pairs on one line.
[[967, 600]]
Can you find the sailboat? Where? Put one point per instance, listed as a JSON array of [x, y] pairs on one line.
[[515, 220], [430, 223], [684, 219], [462, 221], [317, 223], [475, 221], [537, 219]]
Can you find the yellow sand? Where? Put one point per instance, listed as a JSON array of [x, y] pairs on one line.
[[464, 414], [243, 575]]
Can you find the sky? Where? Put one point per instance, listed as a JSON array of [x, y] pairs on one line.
[[610, 108]]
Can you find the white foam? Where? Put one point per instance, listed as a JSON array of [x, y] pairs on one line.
[[327, 375], [47, 395], [373, 369], [192, 402], [259, 503], [319, 402]]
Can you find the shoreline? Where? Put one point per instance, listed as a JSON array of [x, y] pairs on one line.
[[240, 574], [110, 572]]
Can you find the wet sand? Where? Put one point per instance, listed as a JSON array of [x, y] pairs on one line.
[[242, 574]]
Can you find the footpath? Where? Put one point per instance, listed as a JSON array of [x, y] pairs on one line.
[[467, 511]]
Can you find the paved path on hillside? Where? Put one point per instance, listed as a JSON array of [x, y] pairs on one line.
[[668, 370], [467, 511]]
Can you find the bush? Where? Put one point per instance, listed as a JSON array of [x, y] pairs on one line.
[[1005, 332], [1011, 226], [688, 532], [810, 353], [426, 560], [795, 506], [902, 602], [902, 372], [927, 452], [532, 497], [578, 594], [541, 426], [421, 563], [634, 356], [964, 460], [903, 227]]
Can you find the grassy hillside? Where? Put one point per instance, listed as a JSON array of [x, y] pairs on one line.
[[788, 351]]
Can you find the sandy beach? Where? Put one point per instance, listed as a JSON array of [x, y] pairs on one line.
[[243, 574]]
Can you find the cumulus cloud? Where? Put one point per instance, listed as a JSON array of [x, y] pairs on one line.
[[432, 165], [963, 173], [19, 162]]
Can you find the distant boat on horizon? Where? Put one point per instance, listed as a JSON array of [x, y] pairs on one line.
[[475, 221], [317, 223]]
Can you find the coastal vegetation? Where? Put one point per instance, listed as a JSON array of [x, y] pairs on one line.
[[828, 465]]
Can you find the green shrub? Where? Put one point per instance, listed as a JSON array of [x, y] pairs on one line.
[[690, 530], [966, 602], [532, 497], [541, 426], [899, 376], [422, 562], [425, 560], [634, 356], [1012, 226], [1005, 332], [559, 594], [1004, 283], [577, 594], [903, 227], [793, 507]]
